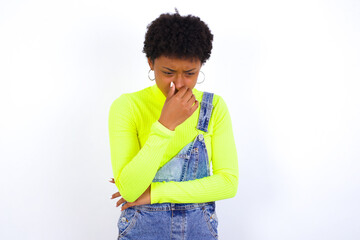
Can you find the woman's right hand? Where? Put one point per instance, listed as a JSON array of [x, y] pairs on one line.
[[178, 107]]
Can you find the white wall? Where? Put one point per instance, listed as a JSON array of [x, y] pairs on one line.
[[288, 70]]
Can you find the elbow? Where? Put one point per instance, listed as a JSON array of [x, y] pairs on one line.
[[229, 183], [232, 183], [125, 192], [130, 199], [234, 190]]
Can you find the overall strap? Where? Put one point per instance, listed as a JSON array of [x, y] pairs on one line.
[[205, 111]]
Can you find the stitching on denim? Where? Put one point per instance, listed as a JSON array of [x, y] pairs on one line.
[[210, 227], [205, 111], [131, 225]]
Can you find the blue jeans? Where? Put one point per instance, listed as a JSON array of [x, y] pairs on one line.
[[175, 221]]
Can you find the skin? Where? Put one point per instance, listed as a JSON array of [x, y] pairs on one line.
[[180, 102], [179, 105], [175, 70], [143, 199]]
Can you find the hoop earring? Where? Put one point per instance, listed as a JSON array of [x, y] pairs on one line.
[[203, 78], [151, 79]]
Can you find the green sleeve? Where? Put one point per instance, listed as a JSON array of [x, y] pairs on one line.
[[222, 184], [134, 168]]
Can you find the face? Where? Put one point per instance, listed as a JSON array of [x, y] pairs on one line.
[[182, 72]]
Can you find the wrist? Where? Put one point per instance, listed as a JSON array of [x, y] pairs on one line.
[[172, 128]]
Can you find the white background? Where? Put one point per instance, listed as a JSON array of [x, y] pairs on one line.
[[288, 71]]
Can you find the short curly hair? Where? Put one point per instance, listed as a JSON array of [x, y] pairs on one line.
[[173, 35]]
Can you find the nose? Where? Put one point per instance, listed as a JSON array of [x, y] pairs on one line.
[[179, 81]]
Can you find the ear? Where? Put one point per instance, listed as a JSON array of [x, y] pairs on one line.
[[151, 64]]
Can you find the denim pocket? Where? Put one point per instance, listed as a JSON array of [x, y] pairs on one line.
[[211, 219], [127, 221]]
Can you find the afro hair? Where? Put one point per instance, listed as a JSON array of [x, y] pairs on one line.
[[173, 35]]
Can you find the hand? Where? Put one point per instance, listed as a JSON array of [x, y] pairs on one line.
[[178, 107], [145, 198]]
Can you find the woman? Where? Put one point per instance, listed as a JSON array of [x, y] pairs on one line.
[[163, 140]]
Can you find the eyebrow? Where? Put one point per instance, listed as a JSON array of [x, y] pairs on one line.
[[175, 71]]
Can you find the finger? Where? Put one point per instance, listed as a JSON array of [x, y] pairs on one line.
[[171, 90], [115, 195], [188, 94], [191, 100], [111, 180], [196, 105], [121, 201], [190, 103], [127, 205], [182, 91]]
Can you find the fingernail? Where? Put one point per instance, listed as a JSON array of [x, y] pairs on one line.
[[110, 179], [171, 84]]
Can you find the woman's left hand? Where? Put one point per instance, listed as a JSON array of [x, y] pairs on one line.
[[145, 198]]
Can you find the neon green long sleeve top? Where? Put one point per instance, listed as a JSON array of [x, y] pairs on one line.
[[140, 145]]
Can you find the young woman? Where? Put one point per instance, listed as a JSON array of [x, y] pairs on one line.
[[163, 139]]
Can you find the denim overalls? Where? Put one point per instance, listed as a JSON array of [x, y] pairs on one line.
[[177, 221]]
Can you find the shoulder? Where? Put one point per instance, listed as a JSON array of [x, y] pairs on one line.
[[125, 99], [220, 109], [217, 102], [120, 102], [220, 113]]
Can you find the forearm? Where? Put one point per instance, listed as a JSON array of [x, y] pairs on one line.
[[221, 185]]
